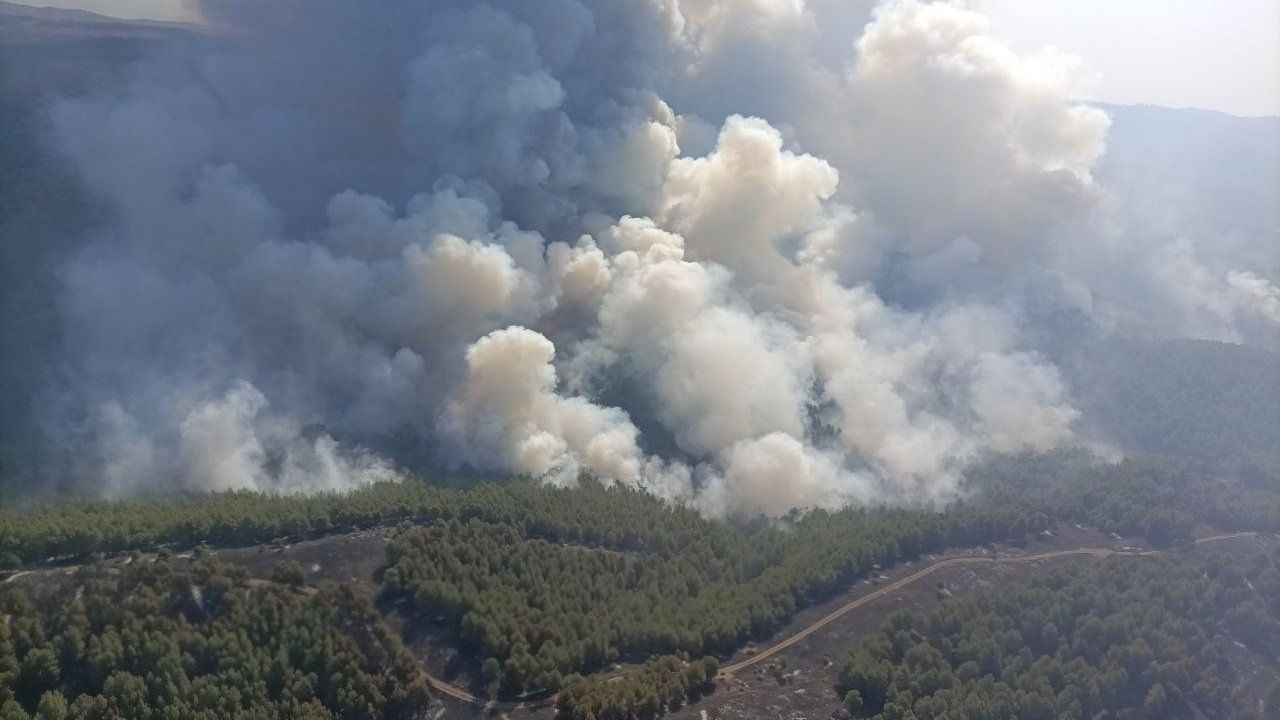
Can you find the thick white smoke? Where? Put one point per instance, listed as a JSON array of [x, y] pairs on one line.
[[537, 238], [508, 416]]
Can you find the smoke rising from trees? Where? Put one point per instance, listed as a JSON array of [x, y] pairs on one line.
[[753, 255]]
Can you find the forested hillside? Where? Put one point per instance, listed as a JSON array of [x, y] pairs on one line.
[[1123, 639], [1133, 497], [538, 585], [160, 642], [719, 362], [1214, 405], [537, 608], [1159, 500]]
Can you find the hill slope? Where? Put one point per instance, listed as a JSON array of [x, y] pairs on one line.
[[1214, 404]]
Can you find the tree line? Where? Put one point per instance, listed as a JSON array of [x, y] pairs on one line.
[[1121, 639], [536, 602], [1132, 497], [1209, 404], [535, 609], [538, 584], [1160, 500], [662, 684], [71, 527], [156, 641]]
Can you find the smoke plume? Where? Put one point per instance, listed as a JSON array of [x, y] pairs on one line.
[[751, 255]]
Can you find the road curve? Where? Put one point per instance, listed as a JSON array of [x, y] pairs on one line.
[[462, 695], [453, 691], [852, 605], [728, 670]]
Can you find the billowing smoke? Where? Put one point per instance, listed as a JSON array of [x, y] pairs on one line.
[[754, 255]]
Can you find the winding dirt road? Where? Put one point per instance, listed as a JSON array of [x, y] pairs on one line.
[[893, 587], [944, 562], [462, 695]]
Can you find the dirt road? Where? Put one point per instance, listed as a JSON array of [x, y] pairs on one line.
[[462, 695], [849, 607], [727, 671], [893, 587]]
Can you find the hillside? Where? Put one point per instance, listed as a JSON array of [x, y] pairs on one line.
[[1214, 405], [32, 23], [1208, 172], [614, 360], [514, 591]]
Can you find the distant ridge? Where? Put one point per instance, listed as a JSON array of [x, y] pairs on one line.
[[29, 23], [1186, 111]]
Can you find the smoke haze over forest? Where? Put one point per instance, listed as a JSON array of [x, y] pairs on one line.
[[755, 255]]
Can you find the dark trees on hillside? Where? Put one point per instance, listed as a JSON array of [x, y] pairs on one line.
[[155, 642], [1123, 638]]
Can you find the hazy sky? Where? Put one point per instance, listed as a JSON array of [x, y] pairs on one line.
[[1223, 55]]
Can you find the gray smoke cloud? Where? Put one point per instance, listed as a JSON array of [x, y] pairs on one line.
[[753, 255]]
